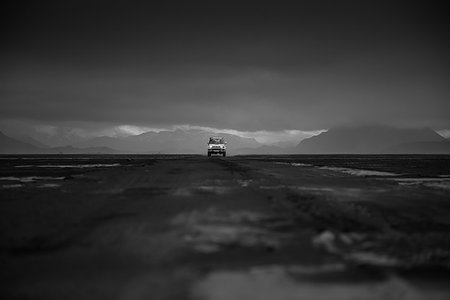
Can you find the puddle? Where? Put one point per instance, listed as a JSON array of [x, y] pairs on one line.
[[326, 240], [349, 192], [245, 183], [30, 178], [212, 231], [210, 238], [359, 172], [313, 189], [420, 180], [310, 188], [302, 270], [48, 158], [301, 165], [213, 189], [295, 187], [370, 258], [342, 245], [278, 283], [203, 189], [69, 166], [273, 187], [49, 185], [439, 183], [12, 186], [216, 186], [294, 164]]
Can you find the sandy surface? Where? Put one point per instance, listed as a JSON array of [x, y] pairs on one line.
[[251, 227]]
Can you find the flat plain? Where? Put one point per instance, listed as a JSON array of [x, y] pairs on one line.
[[242, 227]]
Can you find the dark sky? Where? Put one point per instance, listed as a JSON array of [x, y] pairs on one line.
[[240, 65]]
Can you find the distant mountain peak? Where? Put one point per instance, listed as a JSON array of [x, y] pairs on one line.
[[366, 139], [9, 145], [186, 141]]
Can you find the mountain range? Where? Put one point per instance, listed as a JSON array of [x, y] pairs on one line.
[[343, 140], [169, 142], [375, 140], [164, 142], [9, 145]]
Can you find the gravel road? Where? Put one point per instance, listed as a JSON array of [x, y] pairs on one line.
[[244, 227]]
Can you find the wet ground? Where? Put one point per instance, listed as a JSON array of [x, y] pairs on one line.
[[245, 227]]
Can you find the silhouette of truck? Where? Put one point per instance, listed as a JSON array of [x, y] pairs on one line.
[[217, 145]]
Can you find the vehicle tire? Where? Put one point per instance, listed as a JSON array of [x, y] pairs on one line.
[[224, 154], [209, 154]]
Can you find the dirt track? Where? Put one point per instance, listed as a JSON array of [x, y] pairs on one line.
[[192, 227]]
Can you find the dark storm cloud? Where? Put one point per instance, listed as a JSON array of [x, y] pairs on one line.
[[227, 64]]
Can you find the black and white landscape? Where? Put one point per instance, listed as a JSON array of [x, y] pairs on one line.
[[345, 140], [335, 179]]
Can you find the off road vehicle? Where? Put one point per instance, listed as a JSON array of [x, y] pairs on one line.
[[217, 145]]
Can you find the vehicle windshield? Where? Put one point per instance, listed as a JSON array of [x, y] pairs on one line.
[[215, 141]]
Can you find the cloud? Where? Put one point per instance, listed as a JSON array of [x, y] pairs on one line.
[[64, 132], [242, 66], [393, 92], [445, 133]]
